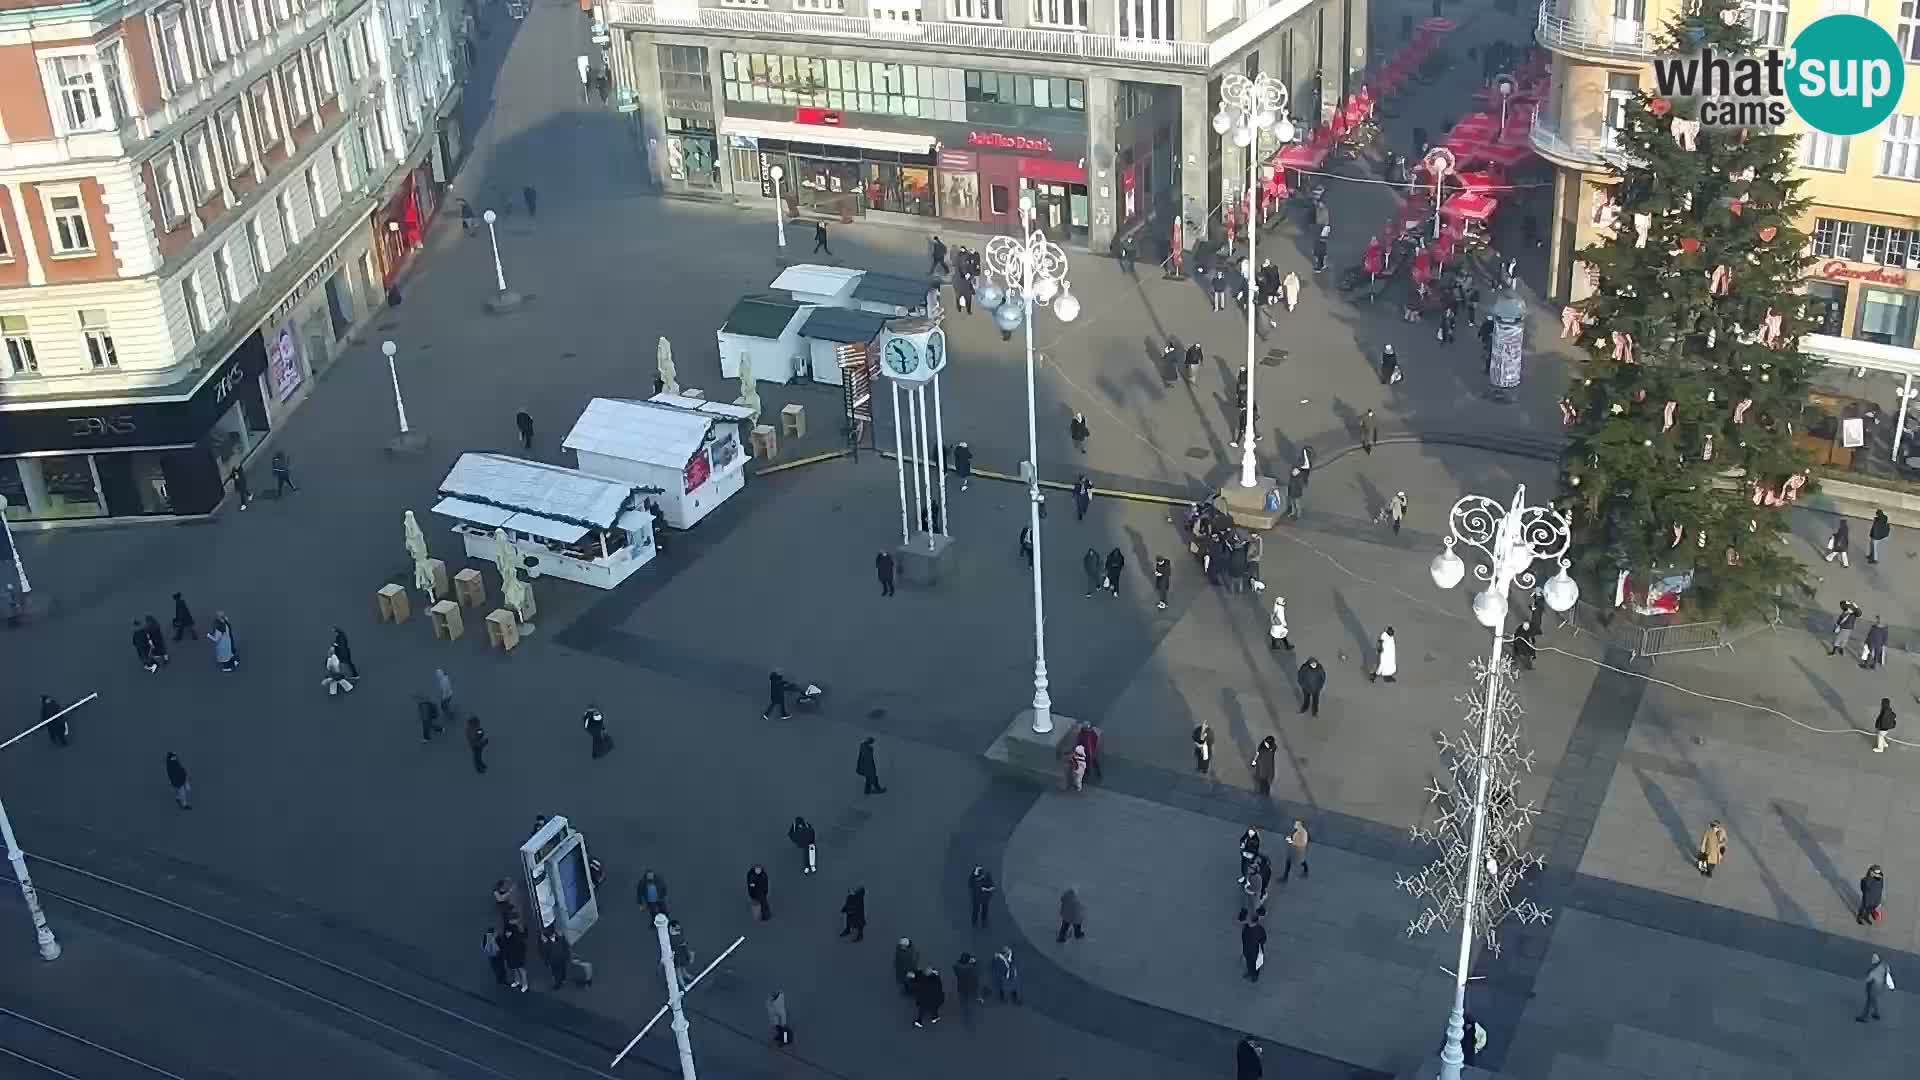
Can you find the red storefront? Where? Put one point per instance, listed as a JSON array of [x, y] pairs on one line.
[[400, 226], [1008, 164]]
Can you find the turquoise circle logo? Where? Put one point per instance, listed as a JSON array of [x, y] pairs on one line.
[[1846, 75]]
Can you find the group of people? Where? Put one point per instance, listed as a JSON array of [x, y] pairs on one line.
[[1227, 555], [963, 268], [1256, 883], [505, 946]]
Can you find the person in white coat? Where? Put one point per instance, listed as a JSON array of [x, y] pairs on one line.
[[1277, 627], [1290, 286], [1389, 663]]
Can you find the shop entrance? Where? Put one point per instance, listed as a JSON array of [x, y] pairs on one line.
[[1051, 209]]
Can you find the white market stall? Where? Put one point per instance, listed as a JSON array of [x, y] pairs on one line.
[[692, 454], [581, 527], [812, 283], [764, 331]]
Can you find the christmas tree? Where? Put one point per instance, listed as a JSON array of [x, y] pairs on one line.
[[1680, 459]]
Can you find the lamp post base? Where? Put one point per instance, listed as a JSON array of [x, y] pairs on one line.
[[1430, 1070], [1248, 506], [501, 303], [410, 444], [1025, 752]]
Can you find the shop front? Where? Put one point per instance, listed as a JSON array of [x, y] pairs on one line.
[[1052, 168], [137, 457], [400, 224], [1877, 303]]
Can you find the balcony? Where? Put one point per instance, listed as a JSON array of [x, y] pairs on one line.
[[1063, 45], [1594, 153], [1592, 34]]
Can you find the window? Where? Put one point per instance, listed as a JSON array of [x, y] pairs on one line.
[[314, 193], [356, 55], [214, 46], [1889, 246], [386, 134], [176, 70], [1767, 19], [322, 60], [343, 168], [20, 357], [1068, 13], [1909, 31], [288, 227], [1835, 239], [1621, 87], [190, 299], [257, 240], [93, 327], [223, 273], [284, 10], [246, 22], [367, 153], [233, 139], [820, 5], [977, 10], [265, 124], [1886, 316], [1819, 150], [1147, 20], [166, 184], [743, 3], [79, 91], [298, 108], [200, 165], [110, 58], [6, 250], [1900, 147], [68, 216]]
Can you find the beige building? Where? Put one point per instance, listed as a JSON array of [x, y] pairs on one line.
[[1864, 222]]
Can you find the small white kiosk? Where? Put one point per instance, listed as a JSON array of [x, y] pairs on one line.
[[812, 283], [580, 527], [555, 868], [765, 331], [693, 455]]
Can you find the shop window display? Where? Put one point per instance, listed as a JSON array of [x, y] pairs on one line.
[[51, 488], [899, 189]]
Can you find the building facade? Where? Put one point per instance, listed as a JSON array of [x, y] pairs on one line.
[[187, 197], [951, 109], [1864, 222]]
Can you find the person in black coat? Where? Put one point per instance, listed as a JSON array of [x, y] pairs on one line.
[[868, 770], [1253, 939], [183, 627], [928, 996], [1313, 679], [1116, 563], [344, 650], [513, 949], [1246, 1060], [1872, 888], [855, 911], [883, 566], [1162, 579], [963, 464], [777, 687], [1082, 497], [558, 953], [803, 836], [1077, 428], [1264, 764], [523, 420], [757, 889], [1092, 566], [56, 729], [599, 742], [1876, 645]]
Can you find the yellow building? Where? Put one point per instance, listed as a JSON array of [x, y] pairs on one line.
[[1864, 221]]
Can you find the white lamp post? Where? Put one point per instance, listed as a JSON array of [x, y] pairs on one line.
[[502, 299], [1247, 108], [1029, 270], [1512, 538], [19, 568], [779, 211], [1440, 162], [393, 373], [43, 934], [1503, 85], [675, 995]]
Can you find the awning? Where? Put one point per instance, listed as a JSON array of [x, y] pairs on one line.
[[562, 532], [864, 138], [478, 513]]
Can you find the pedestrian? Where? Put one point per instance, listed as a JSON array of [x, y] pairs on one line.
[[1843, 627], [1253, 901], [1313, 679], [1838, 543], [1297, 841], [1397, 511], [757, 888], [681, 954], [1116, 562], [777, 1018], [443, 692], [1448, 320], [980, 890], [1246, 1060], [1320, 249], [1877, 534], [222, 639], [1875, 652], [238, 478], [868, 771], [802, 833], [183, 627], [1264, 765], [599, 743], [1202, 746], [963, 464], [527, 193], [1253, 947], [429, 718], [157, 641], [334, 680], [1249, 851], [466, 208], [523, 420], [1883, 723], [1524, 647], [1076, 763], [1162, 580], [177, 779], [1369, 432], [963, 289], [906, 964], [557, 951], [1095, 569], [1127, 254], [1388, 663], [652, 892], [1077, 429], [1219, 282], [503, 906], [820, 238], [1290, 288], [143, 646], [1072, 915], [513, 948], [777, 687], [928, 996], [282, 474], [1879, 978], [938, 250], [1306, 466], [490, 948], [1087, 736], [1082, 497], [966, 985], [1277, 634], [343, 649], [854, 910], [50, 715], [1873, 887], [477, 742], [1713, 847], [1006, 975], [1195, 355], [1296, 493], [1026, 545], [1389, 366]]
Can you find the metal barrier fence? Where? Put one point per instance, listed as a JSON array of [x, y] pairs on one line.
[[1644, 636]]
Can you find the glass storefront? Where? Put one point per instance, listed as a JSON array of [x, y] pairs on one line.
[[1826, 305], [900, 189], [837, 181], [827, 185], [51, 488], [693, 152], [1887, 316]]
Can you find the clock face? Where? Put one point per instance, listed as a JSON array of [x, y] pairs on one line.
[[937, 351], [902, 356]]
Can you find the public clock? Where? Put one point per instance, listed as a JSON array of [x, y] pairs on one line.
[[902, 356], [936, 351]]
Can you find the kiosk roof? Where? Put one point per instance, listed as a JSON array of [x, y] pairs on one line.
[[896, 289], [639, 431], [844, 325], [534, 487], [760, 317]]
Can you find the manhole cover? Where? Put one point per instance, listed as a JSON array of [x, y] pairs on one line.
[[1199, 453], [876, 714], [569, 356]]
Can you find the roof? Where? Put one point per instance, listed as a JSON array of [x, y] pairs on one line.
[[761, 317], [843, 325], [896, 289], [724, 410], [640, 431], [532, 488], [814, 278]]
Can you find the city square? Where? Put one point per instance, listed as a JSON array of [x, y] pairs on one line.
[[320, 911]]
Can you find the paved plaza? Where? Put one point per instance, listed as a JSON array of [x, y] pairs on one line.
[[329, 825]]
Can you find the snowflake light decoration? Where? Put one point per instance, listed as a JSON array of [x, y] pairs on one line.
[[1442, 884]]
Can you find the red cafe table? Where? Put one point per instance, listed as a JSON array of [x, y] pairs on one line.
[[1470, 206]]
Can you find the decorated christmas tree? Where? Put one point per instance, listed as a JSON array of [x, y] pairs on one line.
[[1680, 464]]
